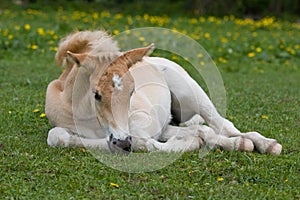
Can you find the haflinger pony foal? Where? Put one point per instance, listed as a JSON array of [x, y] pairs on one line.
[[116, 101]]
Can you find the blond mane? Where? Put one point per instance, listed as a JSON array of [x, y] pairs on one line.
[[96, 43]]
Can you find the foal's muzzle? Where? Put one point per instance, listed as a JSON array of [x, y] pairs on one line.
[[119, 146]]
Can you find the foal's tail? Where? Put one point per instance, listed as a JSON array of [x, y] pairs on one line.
[[85, 42]]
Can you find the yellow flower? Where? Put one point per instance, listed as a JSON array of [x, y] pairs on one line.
[[51, 32], [36, 110], [222, 60], [34, 46], [27, 27], [224, 40], [17, 28], [41, 31], [118, 16], [116, 32], [202, 19], [251, 54], [53, 48], [193, 21], [200, 55], [141, 39], [95, 15], [220, 179], [258, 49], [42, 115], [174, 57], [114, 185], [264, 117], [10, 36], [207, 35]]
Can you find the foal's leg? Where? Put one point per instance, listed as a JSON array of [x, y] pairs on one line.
[[61, 137], [195, 120], [182, 139], [175, 139], [263, 144], [189, 99], [228, 143]]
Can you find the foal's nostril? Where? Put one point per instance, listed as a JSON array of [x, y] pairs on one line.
[[128, 149], [114, 142], [129, 138]]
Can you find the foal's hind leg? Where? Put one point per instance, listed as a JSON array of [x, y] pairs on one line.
[[228, 143], [188, 99], [263, 144], [195, 120], [191, 138]]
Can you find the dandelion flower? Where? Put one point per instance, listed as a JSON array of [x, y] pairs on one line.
[[207, 35], [42, 115], [114, 185], [116, 32], [224, 40], [174, 57], [34, 46], [41, 31], [95, 15], [200, 55], [27, 27], [17, 28], [36, 110], [53, 48], [258, 49], [251, 54], [264, 117], [142, 39], [220, 179]]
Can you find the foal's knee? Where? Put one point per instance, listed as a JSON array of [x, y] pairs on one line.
[[58, 137]]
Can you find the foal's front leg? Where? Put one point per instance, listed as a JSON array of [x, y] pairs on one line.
[[60, 137]]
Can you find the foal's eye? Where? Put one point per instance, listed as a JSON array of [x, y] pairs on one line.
[[98, 97]]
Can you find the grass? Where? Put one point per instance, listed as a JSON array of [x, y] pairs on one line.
[[261, 76]]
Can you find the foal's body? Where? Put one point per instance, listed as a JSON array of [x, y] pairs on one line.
[[160, 86], [149, 115]]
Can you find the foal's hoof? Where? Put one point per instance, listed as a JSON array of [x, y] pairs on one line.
[[275, 149], [246, 145], [119, 146]]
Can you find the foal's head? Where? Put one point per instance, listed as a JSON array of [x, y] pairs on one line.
[[112, 89]]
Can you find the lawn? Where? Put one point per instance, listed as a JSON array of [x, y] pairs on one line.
[[259, 64]]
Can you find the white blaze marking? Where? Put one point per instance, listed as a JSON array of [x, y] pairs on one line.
[[117, 82]]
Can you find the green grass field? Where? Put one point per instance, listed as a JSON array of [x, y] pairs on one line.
[[259, 62]]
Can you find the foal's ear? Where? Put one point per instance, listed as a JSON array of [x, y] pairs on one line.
[[76, 57], [133, 56]]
